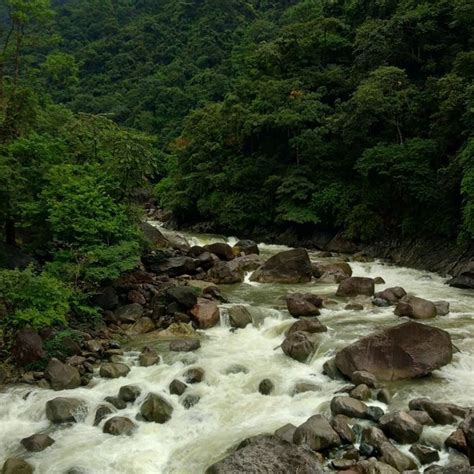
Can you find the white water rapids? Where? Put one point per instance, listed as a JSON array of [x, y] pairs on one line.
[[231, 408]]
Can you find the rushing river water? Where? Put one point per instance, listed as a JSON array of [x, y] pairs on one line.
[[231, 408]]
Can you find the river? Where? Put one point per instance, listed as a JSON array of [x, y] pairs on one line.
[[231, 408]]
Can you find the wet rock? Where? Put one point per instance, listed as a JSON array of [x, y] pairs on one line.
[[142, 326], [119, 425], [248, 247], [311, 326], [148, 357], [372, 466], [405, 351], [129, 313], [361, 377], [379, 281], [298, 346], [464, 277], [302, 387], [194, 375], [265, 387], [62, 376], [174, 266], [135, 296], [442, 308], [103, 411], [154, 236], [341, 426], [330, 369], [129, 393], [113, 371], [185, 345], [456, 440], [239, 316], [155, 408], [349, 407], [381, 303], [415, 308], [354, 307], [16, 466], [317, 434], [27, 348], [439, 412], [116, 402], [37, 442], [236, 369], [467, 427], [425, 454], [290, 266], [177, 387], [225, 273], [401, 427], [303, 304], [185, 296], [392, 295], [205, 313], [222, 250], [361, 392], [190, 400], [421, 417], [374, 413], [395, 458], [65, 410], [268, 454], [355, 286], [342, 464], [383, 395], [333, 272], [286, 432]]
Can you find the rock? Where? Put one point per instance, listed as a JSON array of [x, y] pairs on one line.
[[290, 266], [205, 313], [303, 304], [331, 272], [148, 357], [190, 400], [349, 407], [439, 412], [37, 442], [395, 458], [116, 402], [248, 247], [174, 266], [467, 427], [239, 316], [103, 411], [442, 308], [415, 308], [106, 298], [185, 296], [372, 466], [177, 387], [268, 454], [65, 410], [311, 326], [62, 376], [354, 307], [464, 277], [154, 236], [361, 392], [425, 454], [392, 295], [265, 387], [142, 326], [374, 413], [381, 303], [379, 281], [27, 348], [156, 408], [341, 427], [302, 387], [222, 250], [355, 286], [129, 393], [457, 440], [330, 369], [401, 427], [223, 273], [421, 417], [111, 370], [129, 313], [383, 395], [317, 434], [119, 425], [194, 375], [16, 466], [409, 350], [135, 296], [185, 345], [361, 377], [298, 346], [286, 432]]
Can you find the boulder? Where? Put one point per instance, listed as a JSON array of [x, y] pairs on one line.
[[234, 270], [467, 427], [62, 376], [129, 393], [268, 454], [194, 375], [248, 247], [401, 427], [317, 434], [355, 286], [103, 411], [395, 458], [298, 346], [16, 466], [303, 304], [383, 395], [303, 387], [129, 313], [142, 326], [421, 417], [392, 295], [464, 277], [27, 348], [185, 345], [457, 440], [239, 316], [155, 408], [119, 425], [148, 357], [190, 400], [116, 402], [135, 296], [340, 424], [349, 407], [424, 454], [113, 370], [174, 266], [154, 236], [37, 442], [290, 266], [65, 410], [185, 296], [331, 272], [265, 387], [415, 308], [441, 413], [177, 387], [311, 326], [361, 392], [442, 308], [409, 350], [286, 432], [205, 313], [354, 307], [106, 298], [330, 369], [221, 249]]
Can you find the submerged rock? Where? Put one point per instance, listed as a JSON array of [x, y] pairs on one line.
[[265, 387], [177, 387], [16, 466], [156, 408], [185, 345], [37, 442]]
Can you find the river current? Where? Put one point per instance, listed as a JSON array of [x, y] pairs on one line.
[[231, 408]]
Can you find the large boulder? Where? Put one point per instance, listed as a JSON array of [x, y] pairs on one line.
[[224, 273], [27, 348], [416, 308], [467, 427], [16, 466], [303, 304], [355, 286], [401, 427], [464, 277], [392, 295], [317, 434], [129, 393], [333, 272], [62, 376], [155, 408], [268, 454], [348, 406], [142, 326], [298, 346], [65, 410], [239, 316], [290, 266], [406, 351], [111, 370], [154, 235], [185, 296], [247, 247], [311, 326], [119, 425], [174, 266], [37, 442], [222, 250], [129, 313], [205, 313]]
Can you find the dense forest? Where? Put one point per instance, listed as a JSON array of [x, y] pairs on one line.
[[348, 115]]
